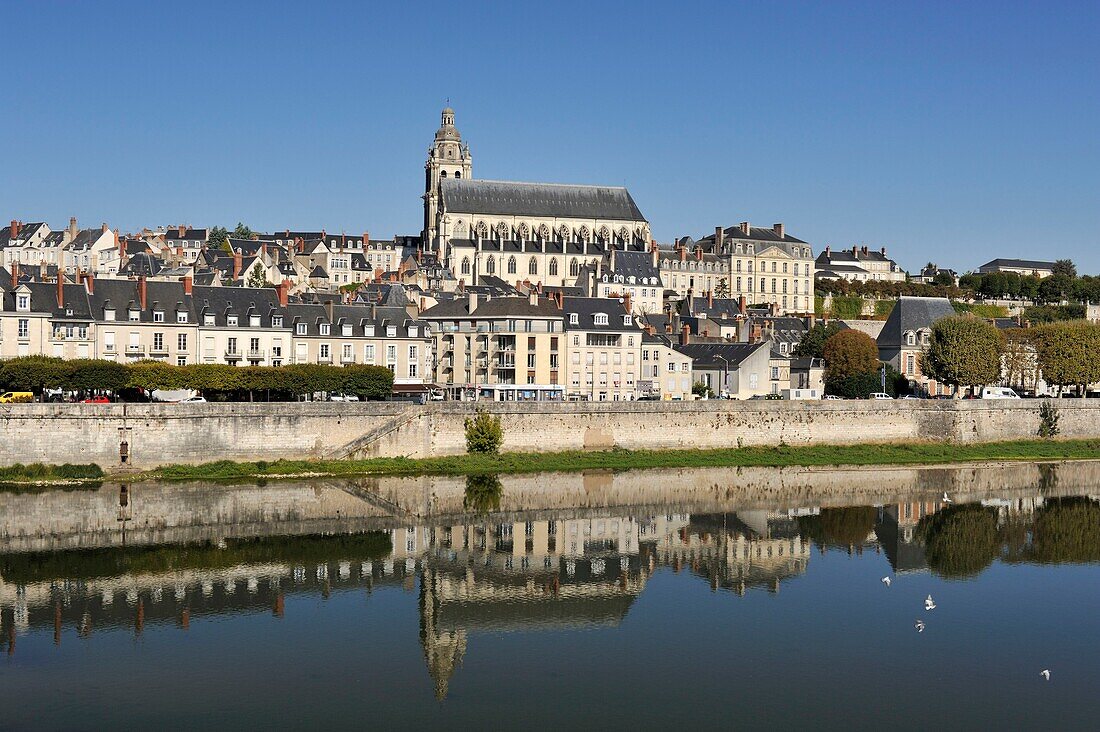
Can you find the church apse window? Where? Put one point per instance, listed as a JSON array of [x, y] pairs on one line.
[[491, 266], [443, 174], [533, 266], [458, 174], [553, 268], [465, 265], [574, 267], [511, 265]]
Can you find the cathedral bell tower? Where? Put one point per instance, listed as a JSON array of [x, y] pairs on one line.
[[448, 157]]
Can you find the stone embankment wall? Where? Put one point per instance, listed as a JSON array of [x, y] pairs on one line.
[[157, 434]]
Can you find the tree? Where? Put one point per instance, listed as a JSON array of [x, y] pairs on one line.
[[482, 494], [1019, 358], [256, 278], [1055, 289], [242, 232], [1068, 353], [859, 386], [844, 527], [701, 390], [722, 289], [1065, 267], [943, 279], [812, 344], [849, 352], [963, 351], [483, 433], [218, 237], [960, 541]]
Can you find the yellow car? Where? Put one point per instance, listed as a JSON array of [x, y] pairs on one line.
[[11, 397]]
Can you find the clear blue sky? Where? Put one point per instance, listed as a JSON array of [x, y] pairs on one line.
[[947, 131]]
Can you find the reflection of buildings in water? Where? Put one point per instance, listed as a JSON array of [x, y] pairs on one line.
[[531, 575], [738, 551]]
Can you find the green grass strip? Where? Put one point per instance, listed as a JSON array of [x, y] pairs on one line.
[[813, 455]]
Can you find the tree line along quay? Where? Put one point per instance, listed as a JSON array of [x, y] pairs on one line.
[[36, 374]]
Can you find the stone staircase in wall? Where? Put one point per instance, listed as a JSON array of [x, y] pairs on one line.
[[362, 443]]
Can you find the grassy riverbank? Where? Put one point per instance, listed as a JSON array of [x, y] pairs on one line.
[[816, 455]]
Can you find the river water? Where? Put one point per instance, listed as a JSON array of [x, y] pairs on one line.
[[711, 598]]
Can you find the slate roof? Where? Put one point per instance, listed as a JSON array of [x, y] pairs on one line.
[[508, 198], [142, 263], [638, 265], [239, 301], [173, 234], [911, 314], [1016, 264], [26, 231], [708, 354], [586, 309], [44, 300], [757, 233], [121, 294], [497, 307]]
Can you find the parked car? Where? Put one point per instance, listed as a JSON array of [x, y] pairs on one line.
[[96, 400], [998, 392], [12, 397], [342, 398], [831, 398], [879, 396], [197, 399], [912, 396]]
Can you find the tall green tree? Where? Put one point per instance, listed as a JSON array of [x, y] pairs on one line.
[[1068, 353], [217, 237], [242, 232], [963, 351], [812, 344], [1065, 267], [256, 278]]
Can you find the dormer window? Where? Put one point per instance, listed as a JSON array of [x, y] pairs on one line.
[[135, 315], [158, 316], [181, 316], [910, 339], [412, 331], [300, 329], [68, 312], [370, 331], [783, 348], [253, 321], [276, 321], [108, 314], [599, 319], [345, 330], [574, 319], [391, 331], [627, 320], [231, 321], [23, 303], [208, 319], [325, 329]]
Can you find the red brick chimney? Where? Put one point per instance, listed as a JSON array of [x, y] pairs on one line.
[[746, 229], [284, 292], [698, 253], [237, 265], [710, 299], [89, 282], [60, 290], [143, 293], [182, 230], [683, 252], [741, 304], [15, 274], [73, 231], [187, 282], [15, 226], [685, 335], [626, 302], [778, 229]]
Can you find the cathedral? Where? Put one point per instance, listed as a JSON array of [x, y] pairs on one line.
[[539, 232]]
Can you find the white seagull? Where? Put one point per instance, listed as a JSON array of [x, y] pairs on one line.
[[929, 604], [945, 498], [1045, 673], [886, 581], [919, 626]]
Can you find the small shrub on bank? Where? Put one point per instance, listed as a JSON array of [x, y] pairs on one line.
[[484, 434], [1048, 420]]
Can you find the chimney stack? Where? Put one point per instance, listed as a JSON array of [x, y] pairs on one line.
[[60, 290], [89, 282], [685, 335], [719, 239], [473, 302], [778, 229], [741, 304], [710, 299], [72, 228], [698, 253], [106, 228], [883, 250], [143, 291], [745, 228], [865, 251], [683, 252], [828, 250], [181, 229], [237, 265], [15, 226], [187, 282], [15, 273], [627, 303], [329, 311], [533, 298]]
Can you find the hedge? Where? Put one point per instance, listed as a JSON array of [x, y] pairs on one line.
[[35, 373]]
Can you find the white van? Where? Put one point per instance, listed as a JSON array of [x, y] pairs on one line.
[[998, 392], [879, 396]]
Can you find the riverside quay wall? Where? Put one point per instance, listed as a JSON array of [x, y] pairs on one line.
[[147, 435]]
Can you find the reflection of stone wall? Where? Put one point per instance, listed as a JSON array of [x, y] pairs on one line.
[[175, 433]]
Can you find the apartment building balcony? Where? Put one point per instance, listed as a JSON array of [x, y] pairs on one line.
[[256, 354], [324, 359], [347, 358], [158, 352], [232, 354], [135, 351]]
